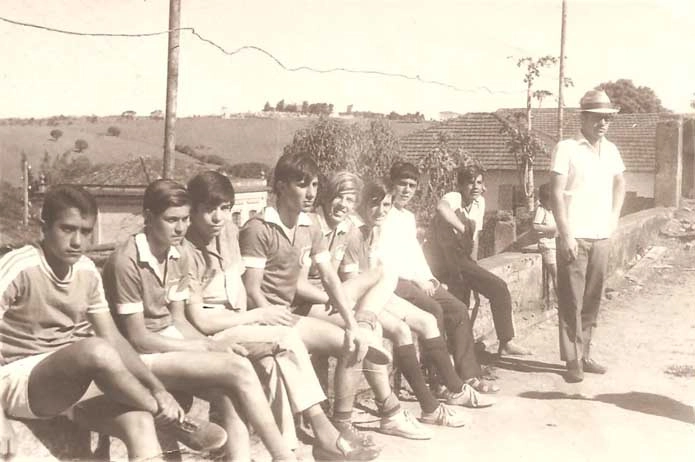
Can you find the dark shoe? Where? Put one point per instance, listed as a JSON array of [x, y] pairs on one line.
[[574, 373], [198, 435], [592, 367], [351, 434], [344, 450], [512, 349]]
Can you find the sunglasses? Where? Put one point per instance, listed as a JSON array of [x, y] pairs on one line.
[[606, 117]]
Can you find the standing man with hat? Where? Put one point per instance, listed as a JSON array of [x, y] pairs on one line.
[[588, 190]]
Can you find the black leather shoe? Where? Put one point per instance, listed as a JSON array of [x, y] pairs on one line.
[[574, 373], [592, 367]]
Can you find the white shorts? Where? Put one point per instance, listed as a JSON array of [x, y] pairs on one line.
[[14, 388], [171, 332]]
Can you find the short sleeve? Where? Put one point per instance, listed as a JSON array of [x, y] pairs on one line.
[[181, 291], [319, 249], [254, 244], [453, 199], [560, 159], [122, 284], [619, 166], [352, 257], [96, 298], [540, 216]]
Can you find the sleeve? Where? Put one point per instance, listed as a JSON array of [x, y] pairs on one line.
[[181, 291], [319, 249], [619, 165], [351, 260], [453, 199], [11, 292], [232, 242], [253, 245], [539, 217], [196, 271], [421, 269], [122, 284], [96, 298], [560, 159]]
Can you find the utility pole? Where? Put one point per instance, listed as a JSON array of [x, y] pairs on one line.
[[172, 88], [25, 189], [560, 98]]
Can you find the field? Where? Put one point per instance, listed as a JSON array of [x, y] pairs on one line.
[[235, 140]]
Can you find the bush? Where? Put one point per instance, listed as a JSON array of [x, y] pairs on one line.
[[55, 134], [113, 131], [81, 145]]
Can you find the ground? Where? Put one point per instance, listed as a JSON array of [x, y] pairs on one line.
[[640, 410]]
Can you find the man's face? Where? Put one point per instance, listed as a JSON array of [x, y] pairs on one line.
[[169, 227], [375, 214], [299, 196], [403, 191], [66, 239], [208, 220], [595, 125], [472, 190], [342, 205]]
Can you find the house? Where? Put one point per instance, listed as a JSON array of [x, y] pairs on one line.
[[480, 135], [119, 188]]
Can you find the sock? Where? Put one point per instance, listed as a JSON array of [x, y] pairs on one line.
[[435, 349], [388, 407], [342, 416], [410, 367]]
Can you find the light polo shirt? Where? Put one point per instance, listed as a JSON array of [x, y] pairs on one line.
[[588, 194], [474, 212], [280, 252], [362, 249], [134, 283], [335, 241], [215, 268], [400, 248], [39, 312]]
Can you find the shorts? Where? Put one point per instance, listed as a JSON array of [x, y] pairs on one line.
[[549, 257], [171, 332], [14, 388]]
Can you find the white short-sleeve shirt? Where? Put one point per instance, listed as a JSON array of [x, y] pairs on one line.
[[588, 194]]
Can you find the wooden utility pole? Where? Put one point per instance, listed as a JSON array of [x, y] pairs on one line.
[[25, 189], [172, 88], [560, 98]]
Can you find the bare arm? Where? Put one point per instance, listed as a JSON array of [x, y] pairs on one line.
[[253, 277], [445, 211], [334, 287], [210, 322], [145, 341], [568, 244]]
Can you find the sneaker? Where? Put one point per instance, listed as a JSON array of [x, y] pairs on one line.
[[349, 432], [440, 392], [468, 397], [198, 435], [404, 425], [344, 450], [592, 367], [446, 416]]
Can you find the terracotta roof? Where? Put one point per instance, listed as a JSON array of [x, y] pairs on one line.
[[479, 134]]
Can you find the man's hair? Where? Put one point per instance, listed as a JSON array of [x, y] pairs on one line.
[[372, 194], [295, 166], [62, 197], [402, 170], [544, 194], [340, 182], [211, 189], [162, 194], [466, 174]]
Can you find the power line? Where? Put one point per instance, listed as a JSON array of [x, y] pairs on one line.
[[266, 53]]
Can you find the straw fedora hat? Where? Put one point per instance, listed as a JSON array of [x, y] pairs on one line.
[[597, 101]]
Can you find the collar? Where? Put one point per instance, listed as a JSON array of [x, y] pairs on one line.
[[271, 215], [200, 243], [581, 139], [145, 253], [49, 271], [342, 228]]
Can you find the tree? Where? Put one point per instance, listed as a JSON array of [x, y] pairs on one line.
[[632, 99], [280, 106], [56, 133], [81, 145], [305, 107], [267, 107], [113, 131]]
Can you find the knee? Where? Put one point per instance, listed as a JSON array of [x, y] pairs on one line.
[[241, 371], [98, 355], [426, 325], [138, 425], [402, 335]]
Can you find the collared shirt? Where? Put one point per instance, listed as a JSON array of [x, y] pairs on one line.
[[400, 247], [335, 241], [40, 312], [362, 251], [474, 212], [215, 268], [588, 194], [134, 282], [267, 244]]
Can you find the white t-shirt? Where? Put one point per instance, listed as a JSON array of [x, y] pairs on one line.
[[475, 212], [588, 194], [545, 217], [400, 249]]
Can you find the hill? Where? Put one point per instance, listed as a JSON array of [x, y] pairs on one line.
[[235, 140]]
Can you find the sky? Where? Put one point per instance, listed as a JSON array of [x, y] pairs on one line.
[[470, 47]]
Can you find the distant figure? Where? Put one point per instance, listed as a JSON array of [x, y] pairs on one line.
[[544, 225], [588, 189]]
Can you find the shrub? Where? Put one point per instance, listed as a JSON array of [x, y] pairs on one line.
[[55, 134], [81, 145], [113, 131]]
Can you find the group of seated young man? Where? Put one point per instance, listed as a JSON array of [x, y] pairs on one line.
[[194, 305]]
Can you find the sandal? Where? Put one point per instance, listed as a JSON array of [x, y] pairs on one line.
[[483, 386]]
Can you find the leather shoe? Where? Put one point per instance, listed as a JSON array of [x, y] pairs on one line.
[[574, 373], [592, 367]]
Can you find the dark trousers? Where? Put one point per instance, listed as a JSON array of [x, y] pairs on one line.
[[579, 290], [474, 277], [452, 320]]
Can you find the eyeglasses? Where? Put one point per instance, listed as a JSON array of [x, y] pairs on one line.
[[606, 117]]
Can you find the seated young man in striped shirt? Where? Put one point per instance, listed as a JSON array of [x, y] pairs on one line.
[[217, 307], [61, 352], [146, 285]]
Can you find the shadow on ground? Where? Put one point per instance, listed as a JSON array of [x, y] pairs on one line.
[[524, 365], [646, 403]]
